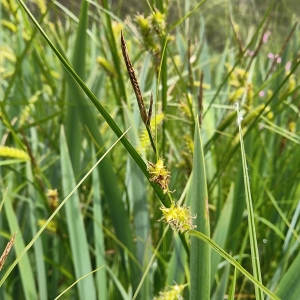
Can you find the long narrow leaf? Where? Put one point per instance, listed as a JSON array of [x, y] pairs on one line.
[[230, 259], [200, 264], [252, 233], [77, 234], [101, 278], [25, 267]]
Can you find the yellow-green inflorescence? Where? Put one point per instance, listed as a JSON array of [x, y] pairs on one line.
[[144, 137], [171, 293], [159, 174], [53, 202], [52, 199], [151, 27], [13, 153], [51, 227], [238, 81], [178, 216]]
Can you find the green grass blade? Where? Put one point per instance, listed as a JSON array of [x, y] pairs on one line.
[[238, 208], [76, 229], [72, 124], [220, 235], [177, 263], [220, 291], [251, 223], [25, 266], [200, 260], [38, 247], [118, 284], [288, 287], [137, 194], [232, 287], [101, 278], [76, 282], [230, 259]]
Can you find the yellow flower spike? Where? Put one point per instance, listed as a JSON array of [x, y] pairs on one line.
[[292, 83], [10, 5], [41, 5], [171, 293], [157, 169], [51, 227], [11, 26], [13, 153], [145, 27], [158, 22], [117, 28], [240, 72], [142, 22], [7, 53], [52, 199], [234, 83], [237, 94], [292, 127], [52, 193], [178, 217], [159, 174]]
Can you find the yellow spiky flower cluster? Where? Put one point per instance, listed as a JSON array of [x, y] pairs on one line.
[[171, 293], [159, 174], [152, 28], [178, 216]]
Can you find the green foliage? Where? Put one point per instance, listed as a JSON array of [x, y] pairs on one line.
[[65, 98]]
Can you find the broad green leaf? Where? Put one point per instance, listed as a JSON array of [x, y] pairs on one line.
[[200, 259], [288, 287], [72, 124], [76, 229]]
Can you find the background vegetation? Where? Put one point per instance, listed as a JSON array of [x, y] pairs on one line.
[[65, 99]]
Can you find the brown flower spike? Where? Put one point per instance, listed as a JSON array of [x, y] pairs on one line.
[[7, 250], [146, 118], [134, 82]]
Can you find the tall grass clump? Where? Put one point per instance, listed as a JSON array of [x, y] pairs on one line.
[[141, 161]]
